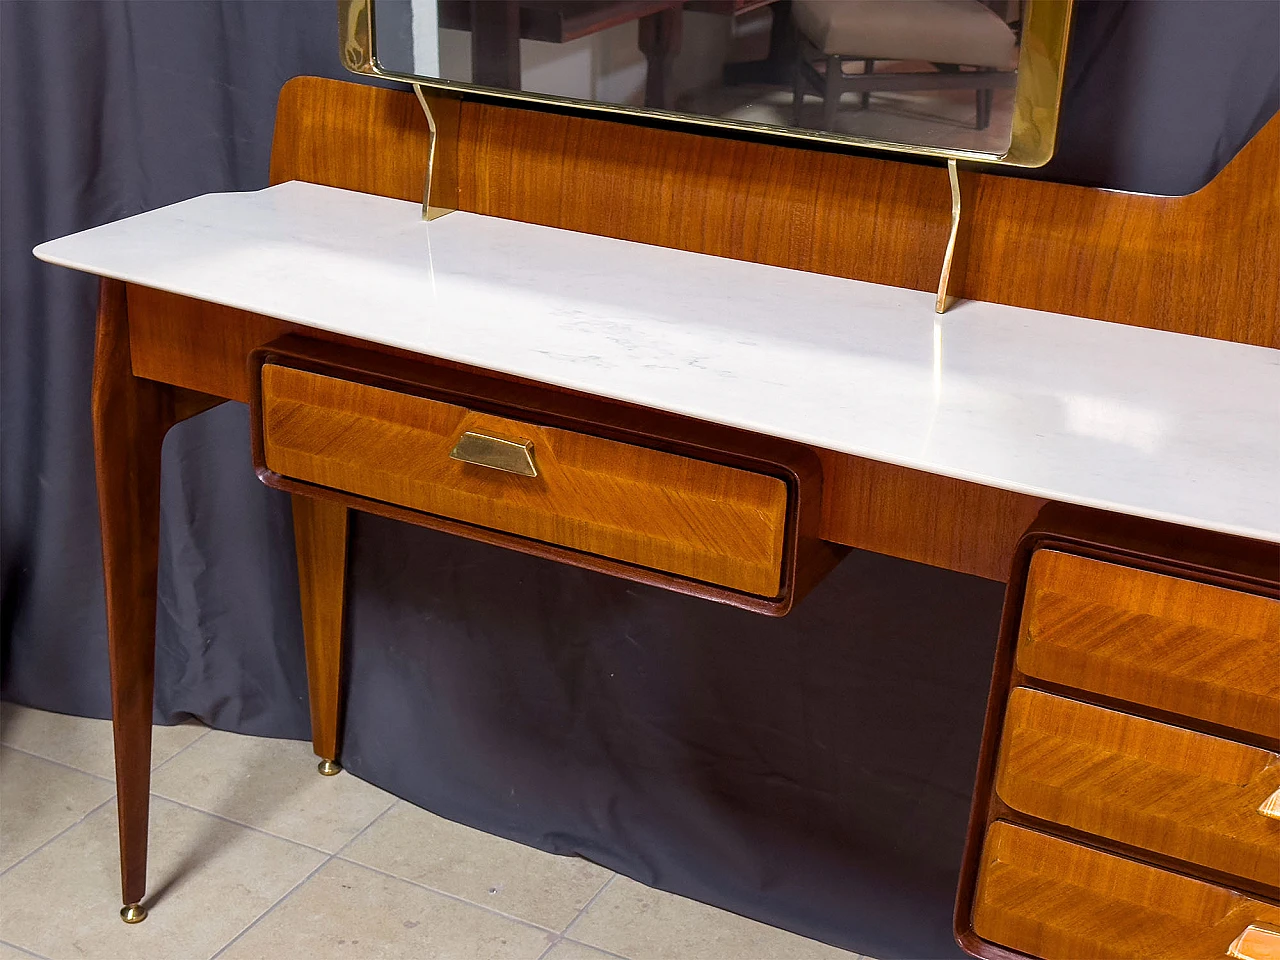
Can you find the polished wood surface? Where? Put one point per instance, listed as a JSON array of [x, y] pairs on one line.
[[130, 418], [196, 344], [697, 519], [1068, 803], [874, 506], [1150, 785], [320, 538], [1200, 264], [923, 517], [882, 220], [1058, 900], [806, 557], [1163, 641]]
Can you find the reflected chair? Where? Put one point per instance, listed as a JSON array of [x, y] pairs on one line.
[[969, 46]]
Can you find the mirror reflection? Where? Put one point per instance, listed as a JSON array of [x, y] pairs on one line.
[[937, 73]]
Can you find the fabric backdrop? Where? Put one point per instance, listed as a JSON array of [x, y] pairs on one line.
[[813, 772]]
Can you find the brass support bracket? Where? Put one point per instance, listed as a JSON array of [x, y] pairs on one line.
[[440, 190], [953, 261]]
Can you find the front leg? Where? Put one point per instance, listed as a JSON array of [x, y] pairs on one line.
[[320, 536], [130, 418]]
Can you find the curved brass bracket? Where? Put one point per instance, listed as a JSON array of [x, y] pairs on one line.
[[440, 191], [953, 261], [357, 30]]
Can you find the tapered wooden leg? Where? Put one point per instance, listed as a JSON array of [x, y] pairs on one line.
[[130, 417], [320, 535]]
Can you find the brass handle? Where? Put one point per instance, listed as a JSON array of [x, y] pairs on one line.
[[1271, 806], [1256, 943], [509, 456]]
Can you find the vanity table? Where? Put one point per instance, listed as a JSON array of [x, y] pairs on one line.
[[713, 366]]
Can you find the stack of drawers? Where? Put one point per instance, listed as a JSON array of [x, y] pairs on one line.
[[1129, 806]]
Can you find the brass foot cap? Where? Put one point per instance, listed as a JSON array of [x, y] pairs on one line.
[[133, 913], [328, 768]]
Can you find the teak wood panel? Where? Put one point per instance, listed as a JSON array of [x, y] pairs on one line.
[[702, 520], [1050, 898], [1167, 642], [1201, 264], [1150, 785]]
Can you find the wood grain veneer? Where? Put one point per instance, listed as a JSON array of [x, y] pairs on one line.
[[1201, 264], [697, 519], [1150, 785], [1070, 806], [130, 418], [1167, 642], [806, 558], [883, 220], [1047, 897], [870, 505], [320, 539]]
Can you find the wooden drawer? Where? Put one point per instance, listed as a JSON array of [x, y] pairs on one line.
[[1050, 898], [1156, 787], [382, 434], [1189, 648]]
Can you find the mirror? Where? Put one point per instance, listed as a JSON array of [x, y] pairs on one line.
[[967, 79]]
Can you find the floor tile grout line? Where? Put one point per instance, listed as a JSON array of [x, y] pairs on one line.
[[367, 827], [450, 896], [71, 766], [58, 763], [271, 909], [297, 886], [589, 946], [181, 750], [71, 826], [555, 942], [248, 826], [588, 905], [29, 953]]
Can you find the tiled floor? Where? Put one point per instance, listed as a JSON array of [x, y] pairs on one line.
[[253, 854]]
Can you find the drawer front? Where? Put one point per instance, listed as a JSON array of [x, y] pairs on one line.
[[1156, 787], [681, 515], [1051, 898], [1177, 645]]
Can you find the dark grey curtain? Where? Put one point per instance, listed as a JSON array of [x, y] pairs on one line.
[[812, 772]]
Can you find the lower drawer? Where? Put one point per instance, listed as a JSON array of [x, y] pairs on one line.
[[1058, 900], [1153, 786]]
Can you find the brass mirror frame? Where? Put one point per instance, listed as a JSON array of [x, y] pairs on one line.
[[1037, 94]]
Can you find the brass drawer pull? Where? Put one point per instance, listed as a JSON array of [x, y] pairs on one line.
[[1256, 943], [1271, 806], [509, 456]]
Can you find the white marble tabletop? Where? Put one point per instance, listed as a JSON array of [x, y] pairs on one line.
[[1138, 421]]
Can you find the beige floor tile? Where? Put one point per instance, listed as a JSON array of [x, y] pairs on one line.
[[635, 921], [81, 742], [521, 881], [348, 911], [209, 880], [39, 799], [271, 785], [572, 950]]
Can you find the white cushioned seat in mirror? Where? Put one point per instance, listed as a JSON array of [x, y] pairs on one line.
[[940, 31]]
